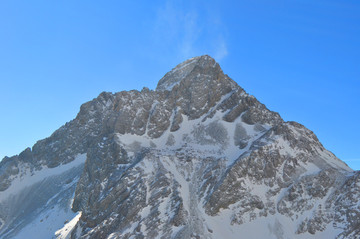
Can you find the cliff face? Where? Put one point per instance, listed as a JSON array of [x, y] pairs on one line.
[[196, 158]]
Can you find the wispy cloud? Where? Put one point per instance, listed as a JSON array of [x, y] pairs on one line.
[[220, 49], [190, 31]]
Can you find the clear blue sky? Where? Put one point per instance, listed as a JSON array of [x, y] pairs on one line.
[[299, 58]]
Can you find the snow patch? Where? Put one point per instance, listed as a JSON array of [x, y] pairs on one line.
[[46, 224], [30, 178], [65, 232], [184, 185]]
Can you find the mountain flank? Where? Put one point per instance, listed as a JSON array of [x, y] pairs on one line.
[[197, 157]]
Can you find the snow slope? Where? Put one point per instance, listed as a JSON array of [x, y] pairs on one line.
[[38, 203]]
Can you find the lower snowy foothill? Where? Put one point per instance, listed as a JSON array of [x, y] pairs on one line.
[[56, 222], [27, 178], [38, 203]]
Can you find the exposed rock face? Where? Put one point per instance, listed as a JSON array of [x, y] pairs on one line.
[[196, 158]]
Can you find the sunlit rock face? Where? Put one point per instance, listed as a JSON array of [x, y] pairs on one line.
[[197, 157]]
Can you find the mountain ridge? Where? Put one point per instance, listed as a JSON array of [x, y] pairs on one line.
[[176, 161]]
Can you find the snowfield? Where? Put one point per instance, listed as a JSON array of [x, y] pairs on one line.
[[38, 203]]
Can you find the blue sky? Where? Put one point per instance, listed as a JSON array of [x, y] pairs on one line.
[[299, 58]]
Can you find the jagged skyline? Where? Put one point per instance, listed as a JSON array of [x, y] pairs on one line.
[[197, 157], [300, 58]]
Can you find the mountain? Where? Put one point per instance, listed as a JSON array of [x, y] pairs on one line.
[[197, 157]]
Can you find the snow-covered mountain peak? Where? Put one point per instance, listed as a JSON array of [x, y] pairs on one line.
[[196, 158], [201, 69]]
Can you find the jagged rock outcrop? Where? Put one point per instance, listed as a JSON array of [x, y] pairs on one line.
[[197, 157]]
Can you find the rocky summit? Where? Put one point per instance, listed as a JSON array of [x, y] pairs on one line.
[[197, 157]]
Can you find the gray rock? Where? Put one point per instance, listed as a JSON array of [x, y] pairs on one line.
[[165, 163]]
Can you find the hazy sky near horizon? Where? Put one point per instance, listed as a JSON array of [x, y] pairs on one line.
[[299, 58]]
